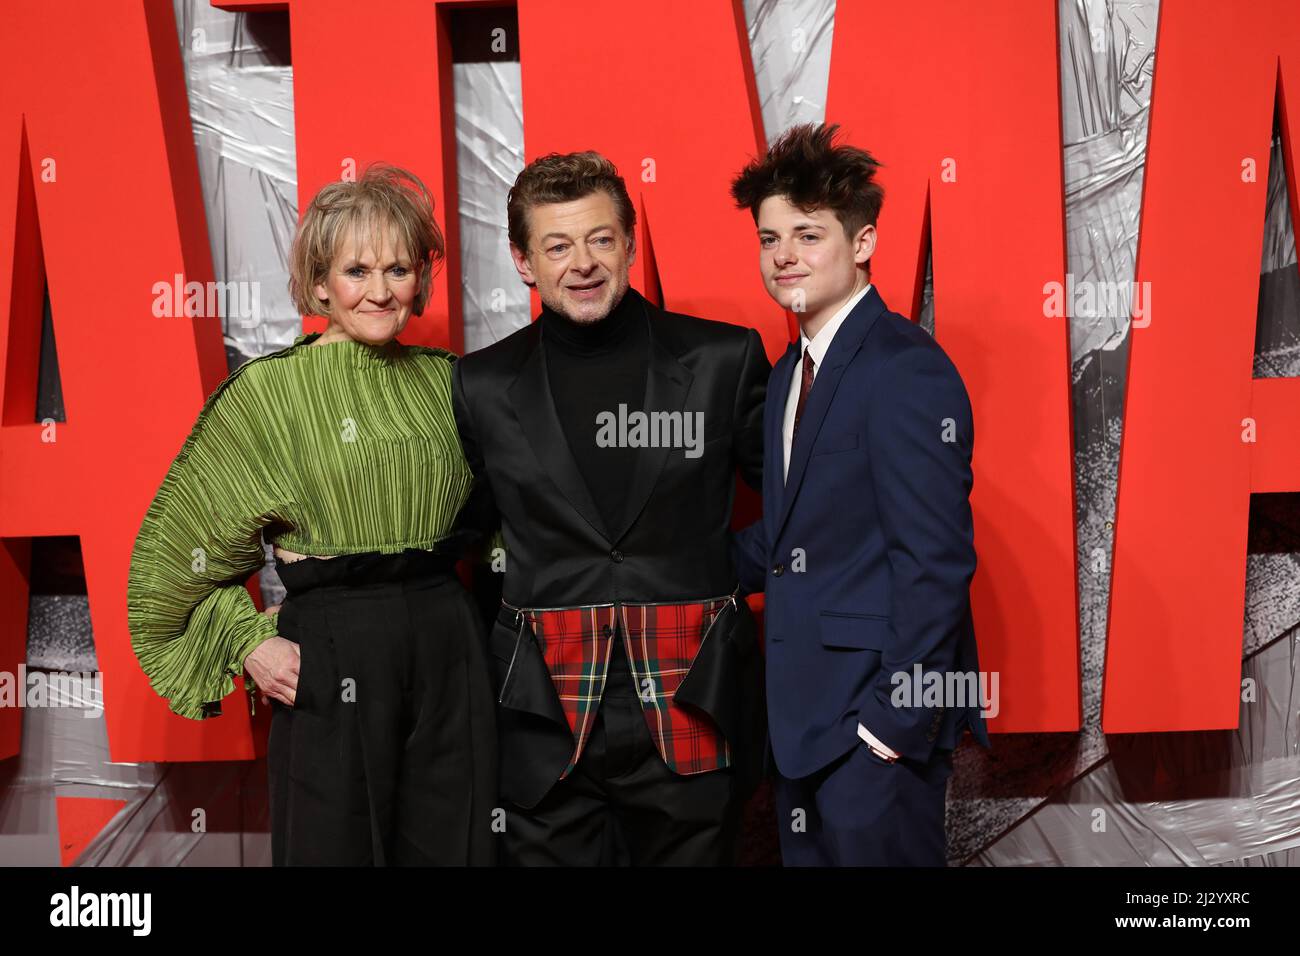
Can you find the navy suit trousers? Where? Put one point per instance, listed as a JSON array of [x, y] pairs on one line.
[[861, 810]]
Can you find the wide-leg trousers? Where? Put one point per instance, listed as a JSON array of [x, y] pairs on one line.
[[388, 756]]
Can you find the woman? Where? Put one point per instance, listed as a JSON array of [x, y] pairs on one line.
[[341, 450]]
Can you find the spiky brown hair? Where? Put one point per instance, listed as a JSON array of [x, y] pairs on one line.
[[812, 171]]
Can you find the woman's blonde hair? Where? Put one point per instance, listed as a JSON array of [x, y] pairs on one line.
[[385, 196]]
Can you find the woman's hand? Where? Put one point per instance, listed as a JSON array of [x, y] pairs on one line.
[[273, 665]]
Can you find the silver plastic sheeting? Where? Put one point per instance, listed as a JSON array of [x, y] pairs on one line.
[[489, 155], [1107, 55], [1277, 340], [1221, 798], [186, 814], [240, 88], [58, 633], [790, 46]]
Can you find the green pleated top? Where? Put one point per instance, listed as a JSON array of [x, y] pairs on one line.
[[329, 449]]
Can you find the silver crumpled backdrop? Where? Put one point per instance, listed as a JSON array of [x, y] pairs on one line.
[[1221, 798]]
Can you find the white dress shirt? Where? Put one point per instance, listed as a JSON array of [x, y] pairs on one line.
[[818, 346]]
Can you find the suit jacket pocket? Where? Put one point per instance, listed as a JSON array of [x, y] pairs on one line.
[[836, 443], [855, 631]]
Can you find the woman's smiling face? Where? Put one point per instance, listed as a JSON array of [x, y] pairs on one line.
[[371, 291]]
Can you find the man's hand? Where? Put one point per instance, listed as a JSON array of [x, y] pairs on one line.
[[273, 665]]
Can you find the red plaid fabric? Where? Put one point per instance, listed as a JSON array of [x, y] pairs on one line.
[[576, 643], [661, 642]]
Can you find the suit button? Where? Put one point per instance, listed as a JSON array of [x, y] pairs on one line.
[[616, 556], [779, 570]]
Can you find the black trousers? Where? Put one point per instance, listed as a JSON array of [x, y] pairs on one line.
[[388, 756], [621, 803]]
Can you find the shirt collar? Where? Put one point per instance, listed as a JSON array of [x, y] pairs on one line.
[[821, 342]]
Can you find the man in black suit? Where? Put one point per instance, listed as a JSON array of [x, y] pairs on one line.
[[605, 439]]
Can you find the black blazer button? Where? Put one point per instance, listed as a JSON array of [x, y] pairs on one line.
[[616, 556], [779, 570]]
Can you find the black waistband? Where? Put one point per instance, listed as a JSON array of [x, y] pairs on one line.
[[510, 615], [358, 570]]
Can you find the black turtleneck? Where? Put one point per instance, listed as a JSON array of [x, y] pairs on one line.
[[594, 368]]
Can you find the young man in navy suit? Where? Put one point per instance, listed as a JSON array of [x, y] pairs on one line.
[[865, 548]]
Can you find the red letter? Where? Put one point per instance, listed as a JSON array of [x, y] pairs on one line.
[[961, 103], [109, 167], [1188, 464]]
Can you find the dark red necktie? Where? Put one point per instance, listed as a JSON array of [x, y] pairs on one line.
[[804, 389]]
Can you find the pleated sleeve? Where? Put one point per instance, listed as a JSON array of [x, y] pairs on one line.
[[192, 621]]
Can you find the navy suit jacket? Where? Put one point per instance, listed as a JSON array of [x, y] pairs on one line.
[[866, 552]]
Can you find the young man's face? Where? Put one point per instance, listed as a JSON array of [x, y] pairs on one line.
[[808, 264], [578, 256]]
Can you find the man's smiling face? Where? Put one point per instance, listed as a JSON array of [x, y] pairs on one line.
[[578, 256]]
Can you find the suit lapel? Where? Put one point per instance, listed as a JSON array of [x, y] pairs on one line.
[[844, 346], [530, 395], [668, 382], [778, 393]]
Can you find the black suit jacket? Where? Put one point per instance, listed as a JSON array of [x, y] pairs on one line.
[[674, 544]]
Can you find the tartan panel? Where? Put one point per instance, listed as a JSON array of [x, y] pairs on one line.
[[575, 643], [663, 641]]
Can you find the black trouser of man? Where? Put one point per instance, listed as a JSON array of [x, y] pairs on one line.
[[622, 803]]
